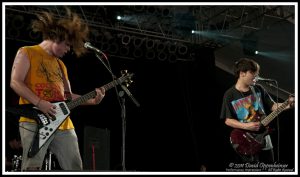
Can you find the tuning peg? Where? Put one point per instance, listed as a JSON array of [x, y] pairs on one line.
[[123, 72], [128, 83]]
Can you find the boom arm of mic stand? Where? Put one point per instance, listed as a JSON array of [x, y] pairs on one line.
[[130, 96], [123, 87], [271, 85], [97, 55]]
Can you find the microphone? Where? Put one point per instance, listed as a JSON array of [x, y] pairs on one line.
[[257, 78], [88, 45]]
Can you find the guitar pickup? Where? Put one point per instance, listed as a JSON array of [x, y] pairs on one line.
[[63, 108]]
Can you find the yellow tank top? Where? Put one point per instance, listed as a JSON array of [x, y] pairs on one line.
[[44, 78]]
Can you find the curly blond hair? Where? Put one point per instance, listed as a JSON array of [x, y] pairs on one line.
[[70, 29]]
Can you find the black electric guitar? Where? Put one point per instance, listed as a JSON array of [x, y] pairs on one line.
[[46, 126], [251, 142]]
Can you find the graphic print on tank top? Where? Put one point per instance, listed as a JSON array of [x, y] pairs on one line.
[[50, 90]]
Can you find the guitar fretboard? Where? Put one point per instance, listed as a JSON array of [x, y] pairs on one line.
[[271, 116], [78, 101]]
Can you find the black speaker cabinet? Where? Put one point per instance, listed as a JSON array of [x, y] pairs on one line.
[[96, 149]]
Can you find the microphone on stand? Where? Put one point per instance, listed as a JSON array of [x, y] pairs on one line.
[[257, 78], [88, 45]]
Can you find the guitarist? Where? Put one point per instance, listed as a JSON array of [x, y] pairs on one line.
[[39, 77], [244, 104]]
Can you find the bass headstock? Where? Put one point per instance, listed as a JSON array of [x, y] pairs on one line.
[[127, 77]]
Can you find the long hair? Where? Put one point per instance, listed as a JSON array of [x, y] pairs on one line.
[[70, 29]]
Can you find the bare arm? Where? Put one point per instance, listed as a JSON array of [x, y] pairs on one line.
[[252, 126], [19, 71]]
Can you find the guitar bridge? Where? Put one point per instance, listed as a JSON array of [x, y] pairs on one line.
[[43, 119]]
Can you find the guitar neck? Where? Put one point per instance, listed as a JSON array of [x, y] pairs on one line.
[[80, 100], [274, 114]]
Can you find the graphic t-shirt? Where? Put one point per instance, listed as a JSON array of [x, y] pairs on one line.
[[245, 107], [45, 79]]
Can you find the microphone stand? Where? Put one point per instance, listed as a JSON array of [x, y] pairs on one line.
[[123, 108], [109, 70], [123, 116], [130, 96], [122, 86]]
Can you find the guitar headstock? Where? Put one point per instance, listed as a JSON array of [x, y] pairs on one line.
[[127, 77]]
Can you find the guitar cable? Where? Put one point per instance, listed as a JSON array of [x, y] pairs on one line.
[[34, 131], [108, 67]]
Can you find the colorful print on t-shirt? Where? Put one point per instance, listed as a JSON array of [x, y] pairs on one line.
[[246, 108]]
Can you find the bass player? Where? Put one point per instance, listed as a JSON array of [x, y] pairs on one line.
[[244, 106]]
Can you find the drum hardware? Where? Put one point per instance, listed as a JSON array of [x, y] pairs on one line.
[[16, 163]]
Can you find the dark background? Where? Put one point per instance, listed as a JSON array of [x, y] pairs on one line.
[[177, 126]]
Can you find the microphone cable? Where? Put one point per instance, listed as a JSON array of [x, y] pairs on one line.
[[108, 67]]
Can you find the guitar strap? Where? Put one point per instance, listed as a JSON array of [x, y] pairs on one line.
[[260, 105], [67, 89]]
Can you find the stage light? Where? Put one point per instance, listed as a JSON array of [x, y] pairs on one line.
[[18, 22], [119, 17], [137, 42], [172, 48], [138, 53], [182, 49], [105, 46], [150, 54], [124, 51], [162, 56], [126, 39], [172, 58], [160, 46], [150, 43], [151, 10], [34, 35], [113, 48]]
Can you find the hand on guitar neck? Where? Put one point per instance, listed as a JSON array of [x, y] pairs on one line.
[[291, 102]]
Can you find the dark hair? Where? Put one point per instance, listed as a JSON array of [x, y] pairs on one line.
[[70, 29], [244, 65]]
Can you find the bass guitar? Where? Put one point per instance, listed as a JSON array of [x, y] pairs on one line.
[[251, 142], [47, 126]]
